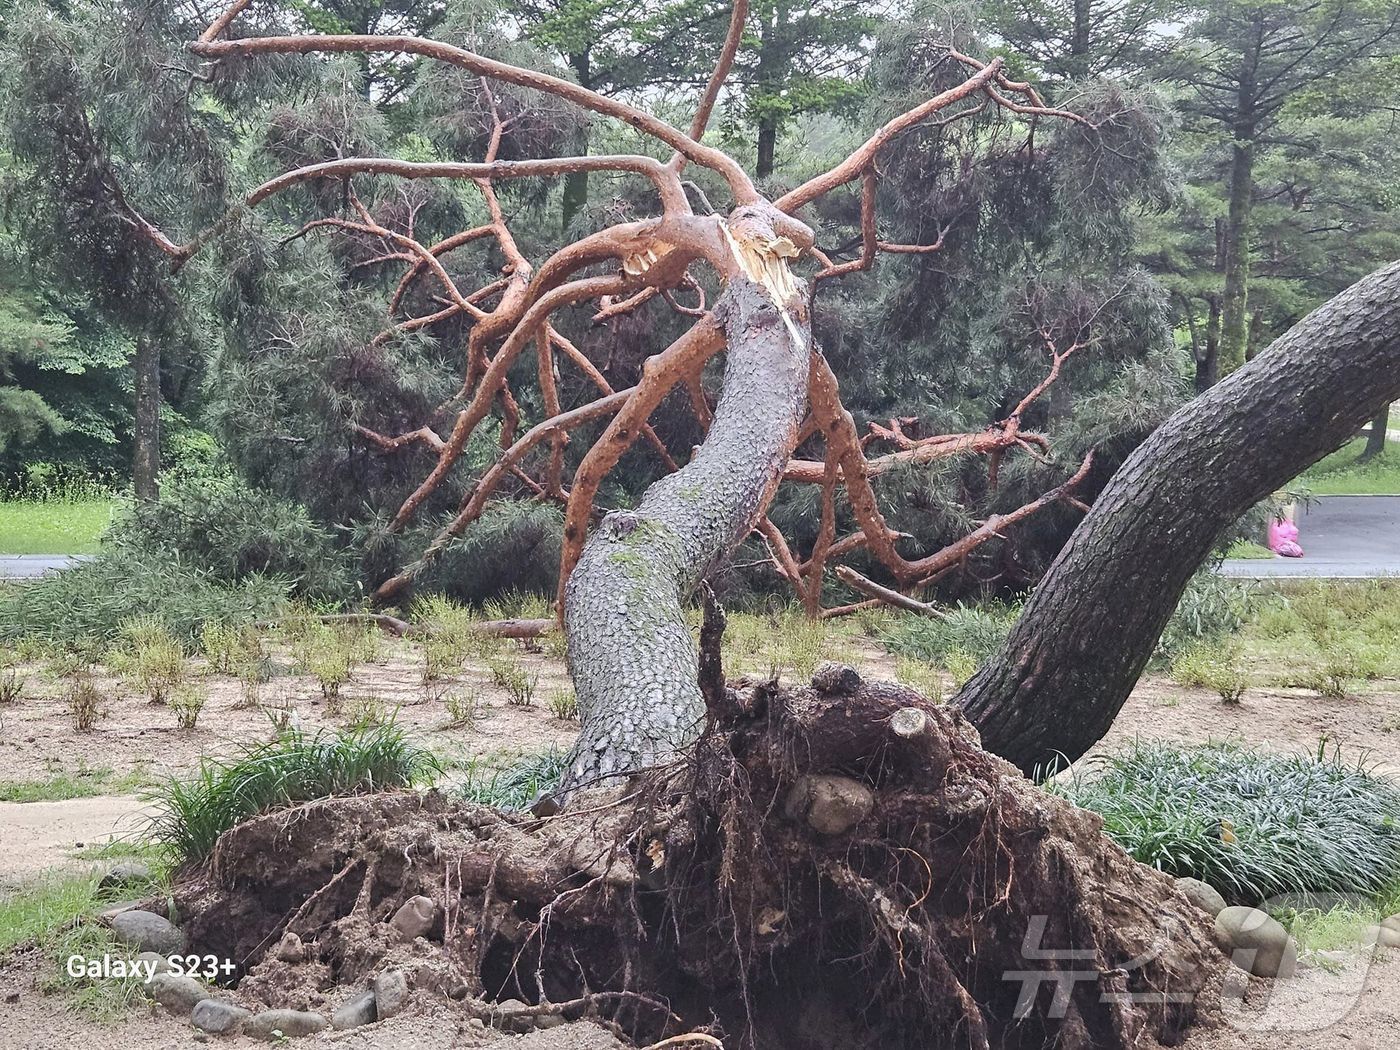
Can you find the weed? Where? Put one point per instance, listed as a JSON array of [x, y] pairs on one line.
[[563, 705], [518, 683], [187, 703], [961, 666], [11, 687], [151, 657], [1215, 667], [368, 711], [512, 783], [84, 702], [464, 708], [919, 675]]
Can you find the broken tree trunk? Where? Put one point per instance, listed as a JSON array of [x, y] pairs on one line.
[[1090, 627], [633, 660]]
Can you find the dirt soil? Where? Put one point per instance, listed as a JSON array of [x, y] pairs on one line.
[[1349, 1001]]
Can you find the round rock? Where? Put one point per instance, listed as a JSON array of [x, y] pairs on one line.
[[415, 917], [148, 932], [831, 805], [158, 963], [1383, 936], [390, 993], [291, 1024], [1203, 895], [218, 1017], [358, 1011], [176, 992], [1258, 942], [125, 872]]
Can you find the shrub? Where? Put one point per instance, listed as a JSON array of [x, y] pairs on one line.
[[88, 604], [463, 708], [330, 652], [187, 703], [515, 784], [1299, 823], [563, 705], [518, 683], [11, 687], [975, 631], [1210, 608], [1214, 667], [217, 523], [84, 702], [151, 657], [192, 814]]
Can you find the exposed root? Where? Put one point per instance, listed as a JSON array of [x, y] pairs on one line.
[[834, 866]]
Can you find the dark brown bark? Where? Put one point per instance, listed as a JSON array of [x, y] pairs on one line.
[[1375, 440], [1234, 326], [145, 433], [1088, 631]]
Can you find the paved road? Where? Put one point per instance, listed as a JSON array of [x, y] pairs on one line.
[[1355, 537], [32, 566]]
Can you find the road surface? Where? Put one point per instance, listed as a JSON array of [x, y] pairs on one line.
[[32, 566], [1343, 537]]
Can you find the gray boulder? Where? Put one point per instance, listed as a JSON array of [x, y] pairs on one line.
[[148, 932], [218, 1017], [1383, 936], [390, 993], [176, 992], [1258, 942], [1392, 922], [159, 963], [1203, 895], [290, 1024], [358, 1011]]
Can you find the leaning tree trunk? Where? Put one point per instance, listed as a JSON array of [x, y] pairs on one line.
[[633, 660], [1088, 631], [1376, 439]]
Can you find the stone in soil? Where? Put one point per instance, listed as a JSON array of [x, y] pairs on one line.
[[358, 1011], [219, 1017], [1203, 895], [1384, 936], [125, 872], [390, 993], [158, 963], [1257, 942], [148, 932], [177, 993], [292, 1024], [415, 917]]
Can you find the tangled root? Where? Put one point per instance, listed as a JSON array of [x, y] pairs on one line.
[[833, 866]]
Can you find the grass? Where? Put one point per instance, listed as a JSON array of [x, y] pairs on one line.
[[56, 527], [1341, 475], [55, 912], [295, 768], [787, 642], [1329, 637], [62, 785], [1254, 825], [1249, 551], [512, 781]]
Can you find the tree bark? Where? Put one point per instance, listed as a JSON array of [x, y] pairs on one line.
[[631, 653], [1375, 440], [575, 194], [145, 455], [1090, 627], [1234, 326]]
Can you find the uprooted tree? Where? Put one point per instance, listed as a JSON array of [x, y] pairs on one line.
[[847, 851]]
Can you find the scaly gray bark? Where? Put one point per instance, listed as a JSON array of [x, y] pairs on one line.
[[633, 660], [1085, 636]]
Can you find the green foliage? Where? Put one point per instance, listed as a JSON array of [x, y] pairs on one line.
[[1330, 636], [219, 524], [187, 703], [88, 605], [84, 702], [329, 652], [563, 705], [464, 708], [61, 784], [1299, 823], [1215, 667], [968, 633], [1210, 608], [192, 814], [513, 783], [518, 683], [919, 675], [151, 656]]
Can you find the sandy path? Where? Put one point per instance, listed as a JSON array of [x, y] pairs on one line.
[[41, 835]]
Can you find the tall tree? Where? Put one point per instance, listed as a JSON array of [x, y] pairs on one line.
[[1069, 41], [1244, 64]]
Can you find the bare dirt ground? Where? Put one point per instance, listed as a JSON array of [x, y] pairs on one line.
[[1350, 1002]]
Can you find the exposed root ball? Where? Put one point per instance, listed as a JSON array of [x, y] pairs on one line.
[[830, 869]]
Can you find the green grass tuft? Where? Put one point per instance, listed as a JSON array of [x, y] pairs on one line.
[[515, 782], [295, 768], [1301, 823]]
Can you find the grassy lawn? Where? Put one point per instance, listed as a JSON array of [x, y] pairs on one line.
[[1340, 475], [65, 527], [1248, 550]]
